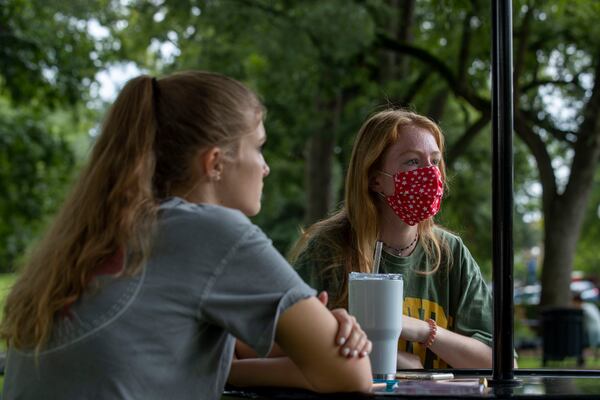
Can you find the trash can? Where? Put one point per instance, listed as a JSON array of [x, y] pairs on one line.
[[562, 334]]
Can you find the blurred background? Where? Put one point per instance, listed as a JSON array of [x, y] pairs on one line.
[[321, 67]]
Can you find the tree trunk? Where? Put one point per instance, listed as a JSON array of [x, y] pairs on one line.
[[563, 213], [562, 228], [319, 163], [561, 232], [564, 217], [405, 32], [399, 26], [438, 105]]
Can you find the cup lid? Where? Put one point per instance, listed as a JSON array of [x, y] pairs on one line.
[[375, 277]]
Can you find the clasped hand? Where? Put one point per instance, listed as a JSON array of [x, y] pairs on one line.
[[351, 338]]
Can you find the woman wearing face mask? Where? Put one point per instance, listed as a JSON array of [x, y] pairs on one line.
[[151, 269], [394, 187]]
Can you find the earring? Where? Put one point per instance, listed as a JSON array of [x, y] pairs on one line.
[[215, 176]]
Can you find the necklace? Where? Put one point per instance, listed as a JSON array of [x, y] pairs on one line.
[[398, 252]]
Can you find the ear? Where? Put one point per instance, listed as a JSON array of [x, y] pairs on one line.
[[211, 163], [375, 183]]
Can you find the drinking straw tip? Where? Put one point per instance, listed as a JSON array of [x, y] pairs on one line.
[[377, 256]]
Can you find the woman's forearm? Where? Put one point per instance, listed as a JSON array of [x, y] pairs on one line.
[[275, 372], [242, 350], [461, 351], [457, 350]]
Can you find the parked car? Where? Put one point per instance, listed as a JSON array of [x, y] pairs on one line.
[[527, 318], [530, 294], [587, 290]]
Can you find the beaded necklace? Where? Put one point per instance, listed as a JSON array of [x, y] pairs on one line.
[[398, 252]]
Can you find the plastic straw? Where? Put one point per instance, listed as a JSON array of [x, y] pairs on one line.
[[377, 256]]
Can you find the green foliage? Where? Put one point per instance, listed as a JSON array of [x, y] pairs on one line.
[[302, 57], [35, 166], [46, 53], [48, 60], [6, 282], [296, 76]]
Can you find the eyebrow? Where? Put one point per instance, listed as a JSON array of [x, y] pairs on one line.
[[419, 152]]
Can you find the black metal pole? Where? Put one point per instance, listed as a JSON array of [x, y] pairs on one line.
[[502, 190]]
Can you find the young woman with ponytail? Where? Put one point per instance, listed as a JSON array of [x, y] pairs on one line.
[[152, 268], [394, 187]]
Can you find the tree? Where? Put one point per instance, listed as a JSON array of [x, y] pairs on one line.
[[35, 167], [303, 78], [319, 80], [45, 69], [587, 259], [559, 60]]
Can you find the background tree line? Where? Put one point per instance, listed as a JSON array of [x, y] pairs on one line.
[[321, 68]]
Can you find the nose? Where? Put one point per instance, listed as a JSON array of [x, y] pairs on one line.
[[266, 169], [429, 162]]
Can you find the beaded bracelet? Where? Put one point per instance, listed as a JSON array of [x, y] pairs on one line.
[[432, 333]]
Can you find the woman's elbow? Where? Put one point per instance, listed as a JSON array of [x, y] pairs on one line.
[[361, 381], [364, 383], [350, 378]]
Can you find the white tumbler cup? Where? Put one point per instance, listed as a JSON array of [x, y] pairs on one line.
[[376, 302]]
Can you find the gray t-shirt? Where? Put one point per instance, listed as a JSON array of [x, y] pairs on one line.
[[168, 332]]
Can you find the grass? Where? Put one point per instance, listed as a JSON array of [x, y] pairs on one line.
[[6, 281], [533, 359]]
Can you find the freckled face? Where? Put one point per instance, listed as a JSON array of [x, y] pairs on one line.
[[415, 148], [243, 177]]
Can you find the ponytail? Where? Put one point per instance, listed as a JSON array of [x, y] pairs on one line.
[[111, 207], [151, 133]]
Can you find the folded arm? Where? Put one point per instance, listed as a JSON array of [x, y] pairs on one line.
[[306, 333]]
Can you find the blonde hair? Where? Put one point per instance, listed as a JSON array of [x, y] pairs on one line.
[[347, 239], [144, 150]]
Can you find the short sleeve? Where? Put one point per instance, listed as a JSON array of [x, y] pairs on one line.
[[314, 267], [473, 315], [251, 287]]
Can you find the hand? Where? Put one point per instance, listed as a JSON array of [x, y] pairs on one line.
[[409, 361], [351, 338]]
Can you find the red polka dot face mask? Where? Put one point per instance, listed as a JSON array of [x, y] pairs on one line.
[[417, 195]]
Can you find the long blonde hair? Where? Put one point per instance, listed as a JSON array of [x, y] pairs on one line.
[[347, 239], [145, 148]]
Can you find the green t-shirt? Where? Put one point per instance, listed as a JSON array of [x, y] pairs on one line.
[[455, 296]]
